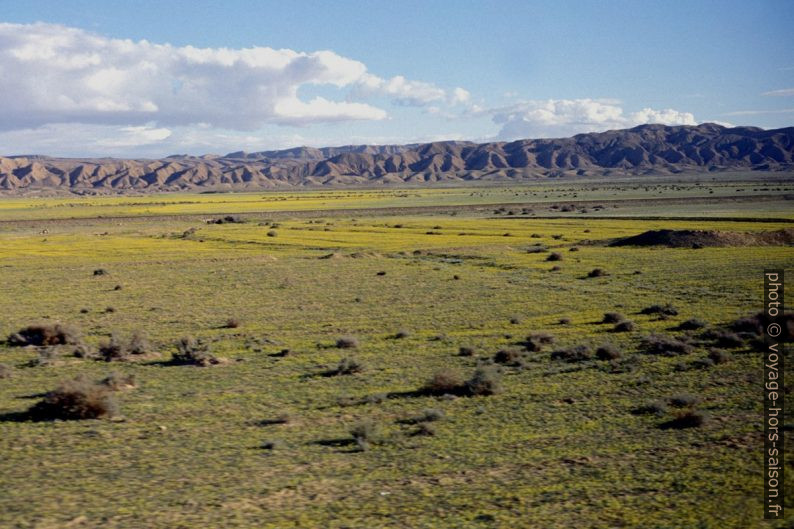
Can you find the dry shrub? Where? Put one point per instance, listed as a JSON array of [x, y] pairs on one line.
[[45, 334], [510, 357], [613, 317], [486, 380], [608, 351], [190, 351], [537, 340], [624, 326], [578, 353], [685, 419], [348, 366], [118, 382], [347, 342], [665, 310], [657, 344], [597, 272], [75, 400]]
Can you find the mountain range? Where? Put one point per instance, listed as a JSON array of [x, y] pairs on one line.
[[642, 150]]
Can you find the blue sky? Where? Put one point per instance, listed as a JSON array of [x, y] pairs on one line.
[[394, 72]]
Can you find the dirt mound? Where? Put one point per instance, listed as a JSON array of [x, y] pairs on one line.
[[704, 238]]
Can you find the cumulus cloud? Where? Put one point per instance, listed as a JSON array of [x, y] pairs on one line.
[[56, 74], [565, 117]]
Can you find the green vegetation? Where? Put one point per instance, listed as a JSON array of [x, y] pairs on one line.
[[218, 411]]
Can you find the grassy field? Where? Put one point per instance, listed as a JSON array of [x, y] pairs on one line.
[[264, 439]]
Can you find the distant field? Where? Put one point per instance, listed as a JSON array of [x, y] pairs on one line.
[[562, 444]]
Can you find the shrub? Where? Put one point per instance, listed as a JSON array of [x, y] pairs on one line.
[[613, 317], [515, 320], [366, 433], [666, 310], [510, 357], [724, 338], [424, 429], [45, 334], [118, 382], [608, 352], [573, 249], [486, 380], [692, 324], [348, 366], [443, 383], [190, 351], [684, 400], [347, 342], [554, 256], [537, 249], [74, 400], [117, 287], [273, 444], [564, 321], [114, 349], [597, 272], [100, 272], [555, 268], [624, 326], [272, 233], [401, 334], [719, 356], [537, 340], [83, 350], [466, 351], [685, 419], [657, 344], [427, 415], [46, 357], [139, 343], [578, 353], [232, 323], [652, 408]]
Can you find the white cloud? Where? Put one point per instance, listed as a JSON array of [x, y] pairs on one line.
[[783, 92], [566, 117], [56, 74]]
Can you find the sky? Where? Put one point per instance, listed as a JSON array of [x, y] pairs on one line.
[[153, 78]]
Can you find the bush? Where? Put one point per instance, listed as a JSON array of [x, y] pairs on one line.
[[613, 317], [401, 334], [554, 256], [272, 233], [608, 352], [665, 310], [564, 321], [718, 356], [232, 323], [75, 400], [510, 357], [537, 340], [537, 249], [443, 383], [597, 272], [578, 353], [624, 326], [118, 382], [190, 351], [486, 380], [665, 345], [685, 419], [114, 349], [348, 366], [652, 408], [723, 338], [139, 343], [683, 400], [347, 342], [366, 433], [100, 272], [45, 334], [692, 324], [427, 415], [466, 351]]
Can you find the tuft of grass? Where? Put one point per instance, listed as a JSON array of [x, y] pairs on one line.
[[399, 335]]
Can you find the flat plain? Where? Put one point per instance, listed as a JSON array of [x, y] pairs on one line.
[[333, 309]]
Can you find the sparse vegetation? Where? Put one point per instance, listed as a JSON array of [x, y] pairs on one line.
[[192, 351], [45, 334]]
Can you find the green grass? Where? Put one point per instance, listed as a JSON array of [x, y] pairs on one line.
[[558, 447]]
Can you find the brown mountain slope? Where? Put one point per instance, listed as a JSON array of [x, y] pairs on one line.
[[654, 149]]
